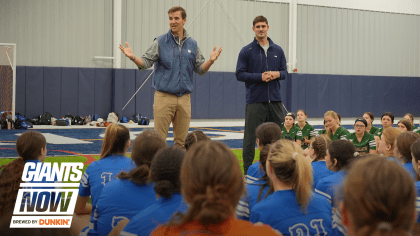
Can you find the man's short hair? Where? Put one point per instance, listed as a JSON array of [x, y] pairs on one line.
[[259, 19], [178, 8]]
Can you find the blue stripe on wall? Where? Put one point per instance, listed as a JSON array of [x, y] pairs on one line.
[[217, 95]]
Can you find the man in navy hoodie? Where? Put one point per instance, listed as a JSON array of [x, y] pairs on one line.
[[175, 56], [261, 65]]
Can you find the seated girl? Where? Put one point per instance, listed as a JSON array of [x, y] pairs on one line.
[[317, 152], [332, 124], [291, 130], [402, 150], [307, 129], [292, 209], [362, 140]]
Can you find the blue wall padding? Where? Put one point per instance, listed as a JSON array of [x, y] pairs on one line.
[[85, 91], [20, 89], [229, 95], [202, 98], [34, 91], [52, 90], [69, 91], [144, 98], [216, 95], [103, 92]]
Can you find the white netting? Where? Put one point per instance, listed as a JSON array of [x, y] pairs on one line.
[[6, 78]]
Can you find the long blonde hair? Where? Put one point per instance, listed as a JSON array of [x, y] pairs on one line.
[[390, 135], [291, 166], [115, 140]]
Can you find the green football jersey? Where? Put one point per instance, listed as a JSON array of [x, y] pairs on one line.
[[415, 128], [340, 133], [307, 133], [294, 133], [322, 131], [373, 130], [367, 143], [379, 132]]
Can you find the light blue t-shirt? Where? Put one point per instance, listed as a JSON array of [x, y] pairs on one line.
[[97, 175], [159, 213], [119, 200], [281, 211]]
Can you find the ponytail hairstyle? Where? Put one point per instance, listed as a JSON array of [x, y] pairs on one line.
[[334, 116], [404, 142], [145, 146], [291, 166], [115, 140], [165, 171], [195, 137], [390, 134], [29, 147], [380, 197], [211, 182], [320, 144], [263, 160], [267, 133], [343, 151]]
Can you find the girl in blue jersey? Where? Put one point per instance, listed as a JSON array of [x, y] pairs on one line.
[[212, 184], [340, 153], [195, 137], [31, 147], [131, 192], [257, 190], [164, 172], [379, 199], [402, 150], [100, 173], [265, 133], [293, 208], [317, 152], [415, 153]]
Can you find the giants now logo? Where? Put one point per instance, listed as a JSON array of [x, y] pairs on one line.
[[42, 195]]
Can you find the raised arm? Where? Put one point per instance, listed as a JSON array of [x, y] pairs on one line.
[[147, 60], [128, 52], [213, 57]]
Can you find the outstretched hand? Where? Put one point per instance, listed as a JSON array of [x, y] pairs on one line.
[[215, 54], [127, 51]]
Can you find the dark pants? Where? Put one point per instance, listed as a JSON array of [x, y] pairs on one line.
[[256, 114]]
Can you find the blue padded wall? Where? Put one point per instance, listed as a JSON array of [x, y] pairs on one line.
[[217, 95]]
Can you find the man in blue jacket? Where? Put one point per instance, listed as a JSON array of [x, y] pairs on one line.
[[261, 65], [175, 56]]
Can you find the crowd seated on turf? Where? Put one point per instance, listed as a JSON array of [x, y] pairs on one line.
[[165, 173], [119, 199], [99, 173]]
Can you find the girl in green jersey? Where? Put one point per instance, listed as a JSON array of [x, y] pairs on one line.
[[368, 116], [307, 129]]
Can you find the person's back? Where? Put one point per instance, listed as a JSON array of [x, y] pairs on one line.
[[212, 184], [293, 208], [281, 211]]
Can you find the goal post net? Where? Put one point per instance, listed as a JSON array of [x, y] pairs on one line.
[[8, 78]]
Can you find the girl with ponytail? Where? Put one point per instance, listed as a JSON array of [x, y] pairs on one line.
[[340, 154], [379, 199], [164, 172], [99, 174], [317, 152], [212, 184], [292, 208], [266, 133], [132, 192]]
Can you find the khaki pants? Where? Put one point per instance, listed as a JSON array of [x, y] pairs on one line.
[[169, 108]]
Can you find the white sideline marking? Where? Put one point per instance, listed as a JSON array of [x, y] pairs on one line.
[[58, 139]]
